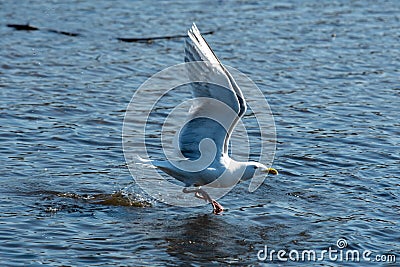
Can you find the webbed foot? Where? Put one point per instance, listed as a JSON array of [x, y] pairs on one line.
[[217, 208]]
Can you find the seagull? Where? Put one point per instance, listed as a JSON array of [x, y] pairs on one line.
[[203, 141]]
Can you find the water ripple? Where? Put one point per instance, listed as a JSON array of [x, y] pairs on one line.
[[328, 69]]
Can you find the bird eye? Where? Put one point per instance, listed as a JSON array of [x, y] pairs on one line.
[[255, 167]]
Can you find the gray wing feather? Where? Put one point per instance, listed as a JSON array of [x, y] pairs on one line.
[[210, 81]]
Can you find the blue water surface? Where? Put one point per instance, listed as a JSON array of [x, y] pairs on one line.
[[329, 70]]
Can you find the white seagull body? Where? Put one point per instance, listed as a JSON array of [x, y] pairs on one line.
[[217, 108]]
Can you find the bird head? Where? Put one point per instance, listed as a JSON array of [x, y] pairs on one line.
[[255, 169]]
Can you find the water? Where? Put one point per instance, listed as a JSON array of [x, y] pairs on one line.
[[330, 71]]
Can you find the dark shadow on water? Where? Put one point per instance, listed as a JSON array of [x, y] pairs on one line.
[[206, 238], [211, 239]]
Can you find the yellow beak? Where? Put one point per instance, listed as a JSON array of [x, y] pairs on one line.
[[271, 171]]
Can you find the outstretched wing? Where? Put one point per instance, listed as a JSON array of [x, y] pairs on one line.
[[218, 102]]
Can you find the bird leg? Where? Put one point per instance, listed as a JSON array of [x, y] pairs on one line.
[[197, 193], [200, 193]]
